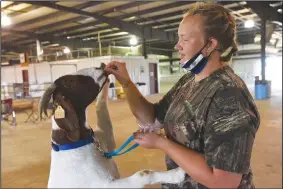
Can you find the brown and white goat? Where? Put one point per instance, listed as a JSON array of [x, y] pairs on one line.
[[85, 166]]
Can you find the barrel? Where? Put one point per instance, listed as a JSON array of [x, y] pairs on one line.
[[261, 90]]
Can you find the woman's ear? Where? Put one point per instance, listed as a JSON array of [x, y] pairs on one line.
[[212, 45]]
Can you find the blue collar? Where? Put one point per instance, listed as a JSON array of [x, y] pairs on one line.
[[73, 145], [89, 140]]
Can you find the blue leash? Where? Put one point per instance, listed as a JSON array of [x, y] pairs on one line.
[[116, 152]]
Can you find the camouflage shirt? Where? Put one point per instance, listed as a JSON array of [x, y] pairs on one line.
[[216, 117]]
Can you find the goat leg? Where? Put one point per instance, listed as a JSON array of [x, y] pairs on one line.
[[104, 129], [147, 177]]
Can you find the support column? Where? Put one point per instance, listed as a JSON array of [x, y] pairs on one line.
[[144, 49], [263, 45], [39, 51], [144, 46]]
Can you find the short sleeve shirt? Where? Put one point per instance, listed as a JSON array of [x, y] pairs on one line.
[[216, 117]]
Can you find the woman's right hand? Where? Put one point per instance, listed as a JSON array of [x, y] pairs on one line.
[[119, 70], [150, 127]]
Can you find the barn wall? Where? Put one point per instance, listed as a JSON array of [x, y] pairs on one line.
[[246, 67], [48, 72]]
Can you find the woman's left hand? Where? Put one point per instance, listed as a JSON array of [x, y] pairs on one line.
[[149, 140]]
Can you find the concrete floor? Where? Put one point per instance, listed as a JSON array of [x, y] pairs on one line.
[[26, 148]]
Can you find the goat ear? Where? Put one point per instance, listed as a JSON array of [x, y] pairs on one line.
[[70, 123], [102, 66], [44, 100]]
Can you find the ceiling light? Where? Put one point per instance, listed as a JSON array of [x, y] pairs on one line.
[[249, 24], [68, 37], [5, 20], [133, 40], [66, 50], [275, 4], [279, 10], [133, 17], [276, 22]]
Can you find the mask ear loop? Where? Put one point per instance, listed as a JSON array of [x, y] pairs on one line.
[[211, 52], [218, 49], [204, 45]]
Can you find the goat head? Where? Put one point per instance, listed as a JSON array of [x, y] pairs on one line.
[[80, 88]]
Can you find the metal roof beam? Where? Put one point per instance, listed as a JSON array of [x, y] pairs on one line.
[[87, 31], [265, 11], [159, 17], [43, 37], [48, 26], [76, 19], [64, 32], [10, 5], [129, 27], [139, 20], [52, 15], [156, 9], [19, 12], [159, 23], [124, 7]]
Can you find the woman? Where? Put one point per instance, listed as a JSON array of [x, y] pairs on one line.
[[209, 116]]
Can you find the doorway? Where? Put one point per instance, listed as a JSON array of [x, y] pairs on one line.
[[153, 78], [25, 82]]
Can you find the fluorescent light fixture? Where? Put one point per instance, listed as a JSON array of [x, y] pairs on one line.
[[249, 24], [133, 17], [133, 40], [5, 20], [66, 50], [275, 4]]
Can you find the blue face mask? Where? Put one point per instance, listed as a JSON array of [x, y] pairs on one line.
[[197, 62]]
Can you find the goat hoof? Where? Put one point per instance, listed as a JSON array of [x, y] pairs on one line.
[[145, 172]]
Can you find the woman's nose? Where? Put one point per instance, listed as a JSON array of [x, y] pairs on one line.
[[178, 47]]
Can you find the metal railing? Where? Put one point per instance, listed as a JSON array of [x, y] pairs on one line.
[[85, 53], [23, 90]]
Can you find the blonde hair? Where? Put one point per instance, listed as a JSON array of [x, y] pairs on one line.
[[219, 24]]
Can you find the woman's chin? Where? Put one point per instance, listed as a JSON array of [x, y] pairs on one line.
[[182, 61]]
